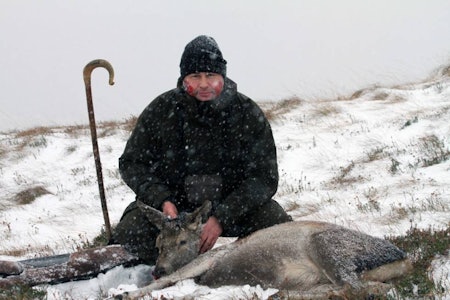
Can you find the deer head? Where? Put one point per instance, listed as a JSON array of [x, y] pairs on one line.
[[178, 242]]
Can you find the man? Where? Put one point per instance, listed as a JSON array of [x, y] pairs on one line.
[[201, 141]]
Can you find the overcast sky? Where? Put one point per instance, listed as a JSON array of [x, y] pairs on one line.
[[275, 49]]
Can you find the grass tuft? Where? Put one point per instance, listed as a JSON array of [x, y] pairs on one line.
[[282, 107], [22, 292], [422, 246], [28, 195]]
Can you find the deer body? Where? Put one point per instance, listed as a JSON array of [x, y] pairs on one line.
[[300, 255], [262, 259]]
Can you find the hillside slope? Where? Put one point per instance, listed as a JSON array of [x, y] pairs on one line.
[[376, 161]]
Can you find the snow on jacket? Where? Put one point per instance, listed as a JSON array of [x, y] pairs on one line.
[[177, 136]]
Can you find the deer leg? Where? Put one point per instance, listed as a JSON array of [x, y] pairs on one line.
[[195, 268]]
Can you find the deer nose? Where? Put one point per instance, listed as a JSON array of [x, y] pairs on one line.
[[158, 272]]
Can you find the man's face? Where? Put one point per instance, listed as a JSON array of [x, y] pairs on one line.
[[203, 85]]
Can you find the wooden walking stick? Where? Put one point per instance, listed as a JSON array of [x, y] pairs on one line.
[[87, 82]]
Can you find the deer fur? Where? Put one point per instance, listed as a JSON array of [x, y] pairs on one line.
[[312, 258]]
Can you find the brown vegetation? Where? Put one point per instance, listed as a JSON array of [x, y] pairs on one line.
[[273, 110], [28, 195]]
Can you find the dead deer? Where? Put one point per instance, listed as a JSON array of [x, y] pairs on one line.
[[312, 258]]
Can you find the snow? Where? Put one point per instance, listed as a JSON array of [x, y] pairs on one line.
[[361, 162]]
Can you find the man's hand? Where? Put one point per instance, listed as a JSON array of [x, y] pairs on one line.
[[169, 209], [210, 233]]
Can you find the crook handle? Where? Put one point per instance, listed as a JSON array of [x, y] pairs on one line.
[[95, 64]]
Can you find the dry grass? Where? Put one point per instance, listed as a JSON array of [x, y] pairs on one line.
[[104, 128], [445, 71], [434, 151], [33, 132], [382, 95], [3, 152], [28, 195], [130, 123], [21, 252], [344, 178], [325, 109], [376, 154], [359, 93], [277, 109], [75, 130], [33, 137], [423, 245], [291, 206]]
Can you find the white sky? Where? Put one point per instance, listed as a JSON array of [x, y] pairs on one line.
[[275, 49]]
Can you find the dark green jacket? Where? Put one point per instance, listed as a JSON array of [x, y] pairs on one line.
[[177, 135]]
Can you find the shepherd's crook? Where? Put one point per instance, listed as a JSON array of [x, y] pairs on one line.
[[87, 82]]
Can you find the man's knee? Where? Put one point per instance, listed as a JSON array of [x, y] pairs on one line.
[[269, 214], [136, 234]]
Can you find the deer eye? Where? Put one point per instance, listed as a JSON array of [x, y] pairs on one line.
[[182, 243]]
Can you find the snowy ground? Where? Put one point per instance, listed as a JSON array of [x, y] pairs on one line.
[[372, 162]]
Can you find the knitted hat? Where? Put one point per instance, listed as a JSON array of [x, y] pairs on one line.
[[202, 54]]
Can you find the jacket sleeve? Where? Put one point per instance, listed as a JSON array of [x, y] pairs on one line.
[[260, 180], [139, 162]]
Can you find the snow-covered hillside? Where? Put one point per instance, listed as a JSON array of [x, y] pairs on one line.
[[377, 161]]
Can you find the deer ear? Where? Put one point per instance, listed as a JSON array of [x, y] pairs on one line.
[[193, 224], [199, 214], [204, 210], [153, 215]]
